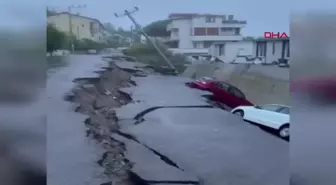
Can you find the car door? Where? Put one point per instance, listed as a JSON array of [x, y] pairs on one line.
[[237, 97], [268, 115], [221, 94], [283, 116]]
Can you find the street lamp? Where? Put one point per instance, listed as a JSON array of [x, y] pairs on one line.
[[70, 24]]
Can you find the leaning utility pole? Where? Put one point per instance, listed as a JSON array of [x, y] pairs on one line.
[[70, 24], [138, 27]]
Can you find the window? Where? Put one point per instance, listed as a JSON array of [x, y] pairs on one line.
[[199, 31], [207, 44], [230, 17], [273, 48], [210, 19], [198, 44], [273, 108], [284, 110], [226, 29], [222, 85], [204, 79], [237, 31], [236, 92], [212, 31]]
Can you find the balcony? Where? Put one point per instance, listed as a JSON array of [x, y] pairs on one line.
[[217, 38], [234, 23]]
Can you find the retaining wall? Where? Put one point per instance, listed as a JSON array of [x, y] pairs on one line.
[[261, 84]]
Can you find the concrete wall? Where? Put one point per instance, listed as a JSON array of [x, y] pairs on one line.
[[262, 89], [258, 83], [232, 49]]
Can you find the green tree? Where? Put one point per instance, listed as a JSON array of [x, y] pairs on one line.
[[55, 39], [157, 28]]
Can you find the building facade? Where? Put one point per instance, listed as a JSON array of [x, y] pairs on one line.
[[196, 33], [81, 27], [269, 50]]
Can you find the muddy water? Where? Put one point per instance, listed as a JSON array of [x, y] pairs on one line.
[[71, 156]]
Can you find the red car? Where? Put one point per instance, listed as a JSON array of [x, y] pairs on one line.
[[200, 83], [227, 94]]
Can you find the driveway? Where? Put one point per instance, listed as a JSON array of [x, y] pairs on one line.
[[205, 145]]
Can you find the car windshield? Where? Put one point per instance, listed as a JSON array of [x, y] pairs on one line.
[[273, 108], [206, 79], [284, 110]]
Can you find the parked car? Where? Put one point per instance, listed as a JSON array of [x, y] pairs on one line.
[[92, 51], [283, 62], [226, 93], [271, 115], [200, 83]]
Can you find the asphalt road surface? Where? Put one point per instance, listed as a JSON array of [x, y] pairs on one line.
[[204, 144]]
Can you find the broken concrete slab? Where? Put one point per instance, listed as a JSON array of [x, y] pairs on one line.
[[149, 166], [210, 143], [225, 150]]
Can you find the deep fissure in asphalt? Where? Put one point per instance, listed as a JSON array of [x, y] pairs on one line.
[[164, 158], [98, 97]]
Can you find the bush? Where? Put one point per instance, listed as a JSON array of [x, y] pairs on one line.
[[147, 54]]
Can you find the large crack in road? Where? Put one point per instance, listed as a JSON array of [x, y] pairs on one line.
[[98, 98], [171, 146]]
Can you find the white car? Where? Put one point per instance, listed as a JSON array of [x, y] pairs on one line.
[[92, 51], [271, 115]]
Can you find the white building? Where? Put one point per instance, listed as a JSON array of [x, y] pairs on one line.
[[81, 27], [197, 33], [268, 50]]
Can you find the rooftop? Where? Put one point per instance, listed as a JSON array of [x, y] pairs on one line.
[[176, 16], [76, 15]]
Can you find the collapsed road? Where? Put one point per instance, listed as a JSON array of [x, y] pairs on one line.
[[155, 130]]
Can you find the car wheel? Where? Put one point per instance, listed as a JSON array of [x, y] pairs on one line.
[[283, 131], [239, 113]]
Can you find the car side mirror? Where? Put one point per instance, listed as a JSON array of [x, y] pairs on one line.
[[257, 106]]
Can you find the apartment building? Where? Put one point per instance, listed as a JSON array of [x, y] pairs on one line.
[[197, 33], [82, 27]]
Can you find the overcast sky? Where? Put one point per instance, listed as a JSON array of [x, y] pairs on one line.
[[261, 15]]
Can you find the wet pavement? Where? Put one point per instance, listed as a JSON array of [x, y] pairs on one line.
[[171, 145], [71, 155], [211, 144]]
